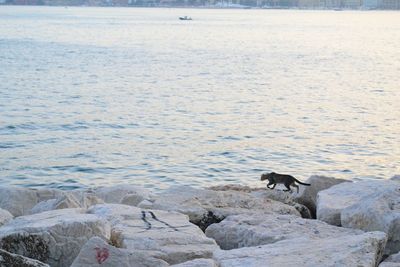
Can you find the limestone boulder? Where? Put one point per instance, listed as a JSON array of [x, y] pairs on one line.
[[238, 231], [19, 200], [86, 198], [356, 250], [8, 259], [197, 263], [379, 211], [67, 201], [47, 193], [276, 194], [169, 234], [63, 202], [308, 194], [284, 197], [332, 201], [205, 207], [97, 252], [391, 261], [16, 200], [53, 237], [123, 194], [5, 217], [389, 264]]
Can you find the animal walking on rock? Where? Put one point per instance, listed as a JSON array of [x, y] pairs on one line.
[[276, 178]]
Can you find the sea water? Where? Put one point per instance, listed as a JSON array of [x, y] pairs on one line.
[[104, 96]]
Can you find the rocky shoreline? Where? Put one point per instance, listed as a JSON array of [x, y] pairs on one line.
[[331, 223]]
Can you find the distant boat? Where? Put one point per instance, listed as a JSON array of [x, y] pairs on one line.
[[185, 18], [338, 9]]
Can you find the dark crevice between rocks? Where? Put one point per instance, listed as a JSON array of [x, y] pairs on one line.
[[208, 219], [304, 211]]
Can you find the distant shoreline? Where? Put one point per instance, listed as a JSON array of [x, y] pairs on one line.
[[209, 7]]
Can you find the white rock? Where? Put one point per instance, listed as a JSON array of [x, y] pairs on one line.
[[308, 194], [205, 207], [197, 263], [96, 252], [168, 233], [8, 259], [86, 198], [19, 201], [355, 250], [257, 229], [332, 201], [67, 201], [5, 216], [131, 195], [379, 211], [54, 237], [389, 264], [278, 195], [48, 193], [284, 197], [391, 261], [63, 202]]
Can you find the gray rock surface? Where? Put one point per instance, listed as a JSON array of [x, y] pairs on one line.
[[8, 259], [238, 231], [169, 234], [379, 211], [205, 207], [96, 252], [19, 200], [124, 194], [284, 197], [332, 201], [308, 194], [276, 194], [66, 201], [5, 217], [391, 261], [197, 263], [355, 250], [53, 237]]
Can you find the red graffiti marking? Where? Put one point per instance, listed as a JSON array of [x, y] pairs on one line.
[[101, 254]]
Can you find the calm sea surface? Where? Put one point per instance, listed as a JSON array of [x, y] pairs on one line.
[[102, 96]]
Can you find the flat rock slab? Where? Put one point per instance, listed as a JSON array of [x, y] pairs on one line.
[[308, 194], [167, 233], [391, 261], [19, 201], [96, 252], [332, 201], [8, 259], [377, 212], [205, 207], [276, 194], [253, 230], [123, 194], [68, 200], [54, 237], [360, 250], [370, 206], [197, 263]]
